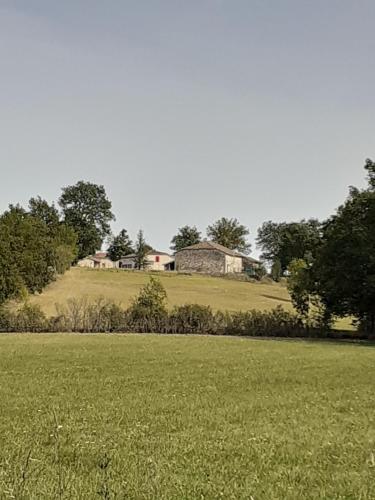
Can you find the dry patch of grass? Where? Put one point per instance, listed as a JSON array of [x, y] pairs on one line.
[[174, 417]]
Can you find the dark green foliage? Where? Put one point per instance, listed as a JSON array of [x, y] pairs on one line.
[[286, 241], [40, 209], [87, 210], [148, 312], [192, 318], [276, 271], [141, 251], [120, 246], [186, 236], [298, 285], [344, 270], [229, 233], [259, 272], [32, 250]]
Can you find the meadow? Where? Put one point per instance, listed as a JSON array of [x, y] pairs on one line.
[[121, 286], [176, 417]]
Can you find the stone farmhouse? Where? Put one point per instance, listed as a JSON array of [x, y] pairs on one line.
[[211, 258], [98, 261], [157, 261]]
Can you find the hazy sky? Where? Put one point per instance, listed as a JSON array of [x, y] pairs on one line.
[[188, 111]]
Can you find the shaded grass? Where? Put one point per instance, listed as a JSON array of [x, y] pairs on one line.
[[121, 286], [174, 417]]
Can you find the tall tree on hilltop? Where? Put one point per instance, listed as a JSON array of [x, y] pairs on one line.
[[87, 210], [230, 233], [186, 236], [141, 251], [285, 241], [120, 245]]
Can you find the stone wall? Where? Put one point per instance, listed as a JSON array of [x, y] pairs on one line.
[[200, 261]]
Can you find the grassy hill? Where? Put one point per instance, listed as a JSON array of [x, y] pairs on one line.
[[121, 286]]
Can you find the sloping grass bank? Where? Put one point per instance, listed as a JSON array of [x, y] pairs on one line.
[[121, 286]]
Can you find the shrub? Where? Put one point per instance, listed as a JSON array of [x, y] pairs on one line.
[[81, 315], [29, 318], [148, 312], [192, 318]]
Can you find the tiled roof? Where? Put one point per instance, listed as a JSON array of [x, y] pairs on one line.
[[210, 245]]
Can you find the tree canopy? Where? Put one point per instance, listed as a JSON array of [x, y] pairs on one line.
[[230, 233], [120, 245], [87, 210], [186, 236], [282, 242], [32, 253], [342, 274]]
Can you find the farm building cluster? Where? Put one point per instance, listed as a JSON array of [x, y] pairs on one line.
[[206, 257]]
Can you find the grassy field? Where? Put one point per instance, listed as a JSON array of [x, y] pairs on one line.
[[173, 417], [121, 286]]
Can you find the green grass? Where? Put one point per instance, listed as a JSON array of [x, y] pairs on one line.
[[174, 417], [121, 286]]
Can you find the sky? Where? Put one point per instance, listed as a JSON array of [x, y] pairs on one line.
[[188, 111]]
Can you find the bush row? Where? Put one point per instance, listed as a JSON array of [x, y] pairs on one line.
[[148, 313], [82, 315]]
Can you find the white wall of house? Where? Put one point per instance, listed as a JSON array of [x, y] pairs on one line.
[[156, 262], [86, 262], [233, 264], [96, 263]]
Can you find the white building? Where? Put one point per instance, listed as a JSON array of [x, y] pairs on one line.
[[98, 261], [156, 261]]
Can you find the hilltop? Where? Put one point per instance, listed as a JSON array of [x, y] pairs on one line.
[[121, 286]]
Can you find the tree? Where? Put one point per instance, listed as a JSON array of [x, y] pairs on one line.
[[141, 251], [87, 210], [186, 236], [230, 233], [286, 241], [40, 209], [342, 274], [276, 271], [120, 245], [298, 285], [28, 253], [65, 238], [344, 270]]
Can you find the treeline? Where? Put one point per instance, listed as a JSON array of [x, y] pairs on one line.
[[34, 246], [42, 241], [148, 313]]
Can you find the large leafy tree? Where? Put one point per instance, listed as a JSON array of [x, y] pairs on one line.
[[64, 237], [42, 210], [28, 253], [342, 274], [120, 245], [186, 236], [230, 233], [344, 270], [87, 210], [283, 242]]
